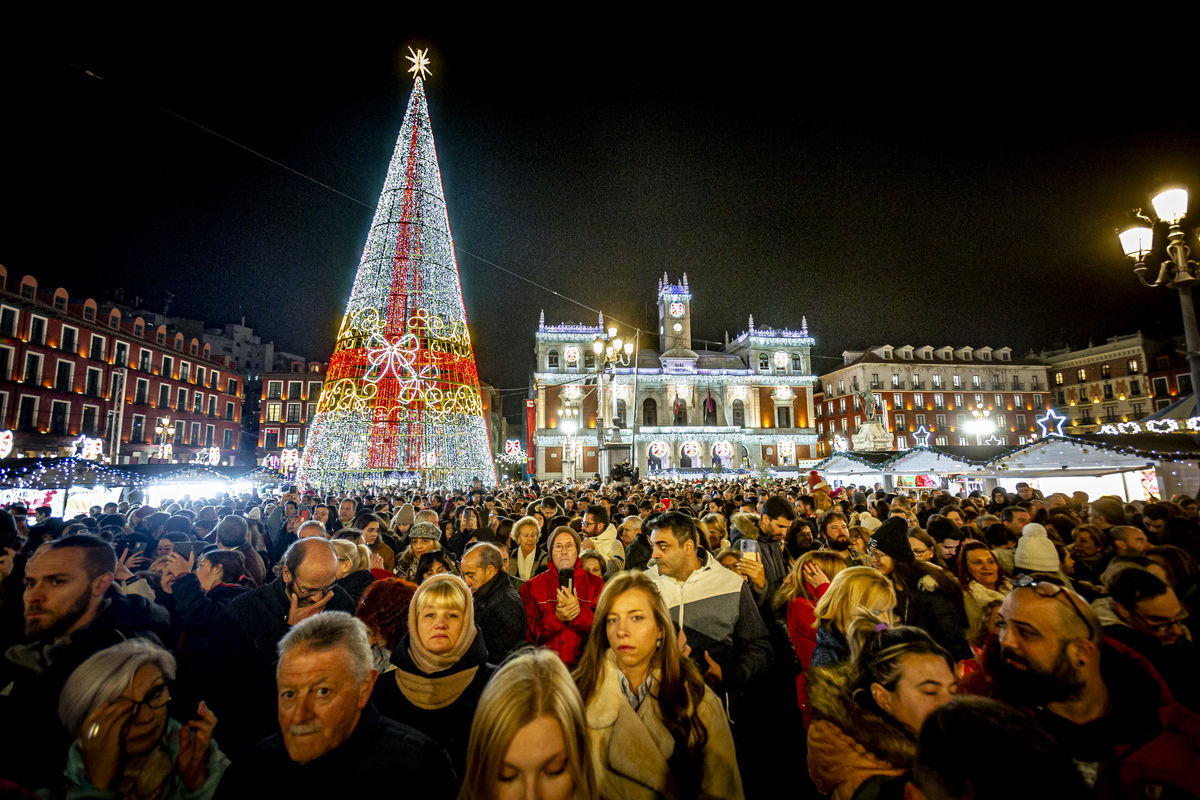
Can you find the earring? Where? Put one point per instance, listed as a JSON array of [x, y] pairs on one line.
[[658, 644]]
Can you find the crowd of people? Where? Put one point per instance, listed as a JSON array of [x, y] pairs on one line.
[[651, 638]]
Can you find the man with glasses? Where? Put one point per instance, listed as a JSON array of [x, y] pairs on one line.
[[1153, 622], [250, 627], [560, 602], [601, 536], [1102, 702]]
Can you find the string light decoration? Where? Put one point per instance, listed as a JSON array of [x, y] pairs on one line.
[[691, 449], [401, 397], [289, 458], [513, 453], [658, 449]]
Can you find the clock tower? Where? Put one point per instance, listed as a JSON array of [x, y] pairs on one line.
[[674, 315]]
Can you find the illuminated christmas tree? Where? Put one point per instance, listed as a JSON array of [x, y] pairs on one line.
[[402, 393]]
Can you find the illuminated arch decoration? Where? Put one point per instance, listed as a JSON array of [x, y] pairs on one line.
[[621, 390], [573, 391], [675, 309], [784, 393], [681, 391], [165, 451], [90, 449], [724, 450], [289, 458], [787, 449], [658, 449], [781, 359], [401, 396], [739, 393], [6, 443], [691, 449], [571, 354]]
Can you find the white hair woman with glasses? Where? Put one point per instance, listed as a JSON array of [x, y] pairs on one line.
[[115, 704]]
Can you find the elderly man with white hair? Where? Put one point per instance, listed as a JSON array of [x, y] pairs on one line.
[[331, 740]]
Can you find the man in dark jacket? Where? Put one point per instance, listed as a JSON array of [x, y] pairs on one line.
[[338, 741], [71, 612], [637, 554], [248, 630], [499, 612], [233, 533]]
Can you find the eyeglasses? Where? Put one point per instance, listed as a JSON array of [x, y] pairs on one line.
[[1159, 627], [155, 699], [1048, 589], [920, 551], [302, 592]]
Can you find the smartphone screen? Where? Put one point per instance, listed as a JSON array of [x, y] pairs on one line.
[[304, 515]]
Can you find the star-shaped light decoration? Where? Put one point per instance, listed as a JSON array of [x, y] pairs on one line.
[[420, 64], [993, 441], [1052, 423], [922, 436]]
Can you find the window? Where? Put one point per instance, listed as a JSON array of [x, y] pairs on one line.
[[137, 432], [1058, 379], [179, 431], [841, 387], [1138, 411], [1133, 366], [139, 330], [857, 421], [958, 401], [956, 381], [8, 321], [1110, 413], [197, 402], [70, 338], [27, 291], [209, 432], [229, 411], [842, 405], [310, 410], [764, 364], [37, 330], [1160, 387], [271, 439], [552, 359], [231, 387], [27, 413], [274, 390], [874, 380], [960, 420], [168, 367], [897, 401], [784, 417], [164, 396], [940, 441], [895, 380], [938, 401], [1021, 426], [114, 320], [90, 418], [194, 348], [901, 442], [185, 371], [900, 422], [831, 408], [797, 364], [739, 413], [33, 368], [940, 421], [314, 390], [918, 400], [1105, 371], [937, 381], [649, 412], [121, 354], [1108, 391], [212, 405], [64, 377], [96, 349], [227, 440], [92, 387], [200, 375], [181, 403], [1135, 387], [589, 360], [294, 390], [1184, 382], [978, 400], [962, 440], [1081, 374], [291, 437], [975, 384], [89, 313], [195, 440], [1017, 401], [999, 401], [59, 412], [179, 343], [1001, 422], [141, 391], [920, 420], [144, 360]]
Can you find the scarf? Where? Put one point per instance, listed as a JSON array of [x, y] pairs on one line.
[[420, 688]]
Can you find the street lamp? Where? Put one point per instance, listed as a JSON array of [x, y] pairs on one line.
[[165, 434], [1177, 272], [616, 352], [981, 426], [570, 425]]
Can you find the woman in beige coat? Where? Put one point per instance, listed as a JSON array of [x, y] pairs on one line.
[[656, 730]]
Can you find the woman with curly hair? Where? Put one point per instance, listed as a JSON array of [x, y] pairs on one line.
[[384, 610]]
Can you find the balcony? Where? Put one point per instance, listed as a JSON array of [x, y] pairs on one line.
[[1017, 385], [917, 386], [876, 385]]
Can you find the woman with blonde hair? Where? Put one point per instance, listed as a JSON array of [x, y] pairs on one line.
[[530, 736], [853, 590], [715, 532], [656, 729], [809, 581], [441, 667], [354, 567]]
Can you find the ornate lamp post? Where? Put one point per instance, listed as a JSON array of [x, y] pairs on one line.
[[1177, 271], [610, 354], [981, 426], [165, 433], [569, 417]]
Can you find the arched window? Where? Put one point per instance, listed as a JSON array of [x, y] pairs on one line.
[[589, 361], [739, 413], [621, 413], [552, 359], [764, 363], [649, 412], [1058, 379]]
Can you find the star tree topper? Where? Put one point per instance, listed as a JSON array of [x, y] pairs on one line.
[[922, 436], [420, 64]]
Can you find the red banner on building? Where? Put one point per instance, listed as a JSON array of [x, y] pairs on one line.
[[531, 466]]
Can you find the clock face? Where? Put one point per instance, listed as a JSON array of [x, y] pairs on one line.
[[677, 327], [675, 309]]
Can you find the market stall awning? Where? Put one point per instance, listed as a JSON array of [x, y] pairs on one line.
[[1095, 454], [945, 460], [855, 462]]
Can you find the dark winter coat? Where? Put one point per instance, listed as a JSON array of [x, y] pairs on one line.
[[243, 656], [356, 583], [193, 619], [831, 648], [637, 555], [381, 757], [449, 726], [35, 742], [500, 617], [927, 606], [1176, 664]]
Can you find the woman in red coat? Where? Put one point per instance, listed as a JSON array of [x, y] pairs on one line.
[[810, 577]]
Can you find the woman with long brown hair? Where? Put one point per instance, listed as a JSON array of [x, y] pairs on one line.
[[652, 720]]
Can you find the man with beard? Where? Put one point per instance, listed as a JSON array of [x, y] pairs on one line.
[[835, 530], [1100, 700], [249, 629], [71, 612]]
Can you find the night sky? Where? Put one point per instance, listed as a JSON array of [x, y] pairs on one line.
[[915, 196]]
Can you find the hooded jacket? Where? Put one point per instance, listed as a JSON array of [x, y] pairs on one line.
[[635, 751], [717, 613], [32, 676], [608, 544], [837, 716]]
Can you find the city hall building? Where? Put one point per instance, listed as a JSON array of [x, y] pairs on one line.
[[671, 405]]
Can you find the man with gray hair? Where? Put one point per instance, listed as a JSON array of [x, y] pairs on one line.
[[499, 612], [250, 627], [331, 737], [312, 528]]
